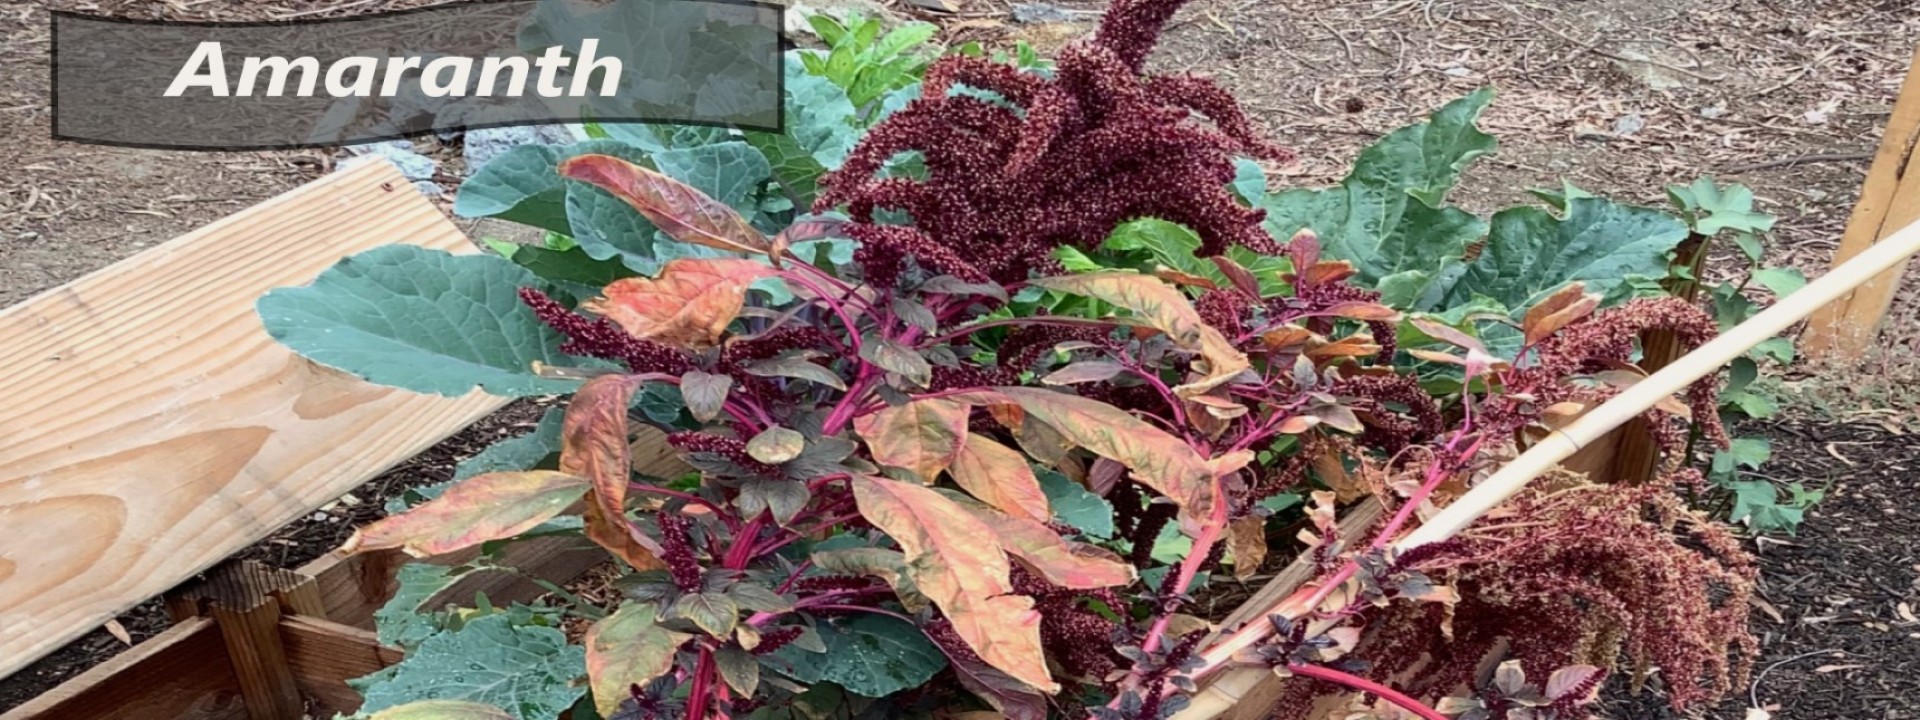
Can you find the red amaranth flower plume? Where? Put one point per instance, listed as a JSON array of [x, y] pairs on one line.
[[1095, 145], [600, 338]]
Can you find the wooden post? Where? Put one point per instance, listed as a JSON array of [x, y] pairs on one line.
[[1889, 200], [1635, 456], [246, 600]]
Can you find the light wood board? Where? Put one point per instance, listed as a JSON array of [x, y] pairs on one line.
[[152, 427], [1889, 201]]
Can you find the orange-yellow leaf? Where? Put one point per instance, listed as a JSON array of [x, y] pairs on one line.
[[1447, 334], [478, 509], [1062, 562], [1351, 346], [956, 562], [1357, 310], [922, 436], [1288, 338], [1000, 477], [594, 445], [1184, 278], [1564, 306], [1166, 309], [1157, 458], [680, 211], [689, 305], [442, 710], [625, 649]]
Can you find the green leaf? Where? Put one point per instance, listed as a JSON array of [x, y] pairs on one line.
[[529, 671], [1386, 216], [519, 453], [404, 621], [1751, 452], [1530, 253], [572, 270], [1077, 506], [1249, 181], [714, 613], [524, 184], [868, 654], [1780, 281], [819, 133], [896, 358], [904, 37], [424, 320], [1724, 208], [1778, 349], [784, 498]]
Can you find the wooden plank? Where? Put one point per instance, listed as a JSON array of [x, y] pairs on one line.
[[1635, 456], [152, 428], [1256, 702], [1889, 200], [325, 655], [179, 674]]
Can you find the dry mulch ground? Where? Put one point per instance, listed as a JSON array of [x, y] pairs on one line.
[[1620, 96]]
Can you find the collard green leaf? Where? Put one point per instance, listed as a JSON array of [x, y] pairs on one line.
[[523, 185], [1077, 506], [819, 134], [404, 621], [423, 320], [1530, 253], [868, 654], [442, 710], [1386, 217], [528, 671], [519, 453]]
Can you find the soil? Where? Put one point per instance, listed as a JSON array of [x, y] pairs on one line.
[[1619, 96], [1838, 613]]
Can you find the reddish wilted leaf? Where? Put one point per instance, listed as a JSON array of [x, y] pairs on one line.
[[922, 436], [1242, 278], [1183, 278], [1000, 477], [683, 213], [1288, 339], [803, 231], [1351, 346], [1564, 306], [1448, 334], [625, 649], [1363, 311], [1062, 562], [1304, 250], [955, 560], [1166, 309], [1247, 543], [594, 445], [688, 305], [478, 509]]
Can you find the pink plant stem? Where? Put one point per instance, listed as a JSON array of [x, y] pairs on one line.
[[1356, 682], [1189, 569], [698, 695]]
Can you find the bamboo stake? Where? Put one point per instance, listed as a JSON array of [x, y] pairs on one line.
[[1227, 688]]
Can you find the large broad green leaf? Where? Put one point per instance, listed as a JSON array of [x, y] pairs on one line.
[[1530, 253], [405, 620], [819, 133], [1176, 246], [424, 320], [529, 671], [519, 453], [1077, 506], [607, 227], [868, 654], [523, 185], [1387, 216]]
